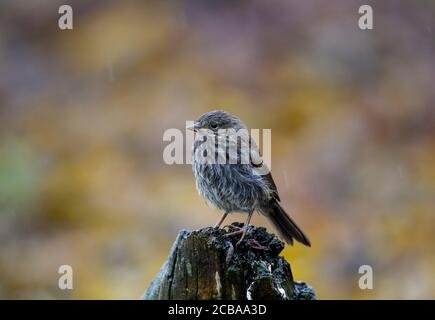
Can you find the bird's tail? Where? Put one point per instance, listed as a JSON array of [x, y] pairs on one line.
[[285, 225]]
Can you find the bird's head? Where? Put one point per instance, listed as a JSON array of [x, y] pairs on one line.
[[217, 120]]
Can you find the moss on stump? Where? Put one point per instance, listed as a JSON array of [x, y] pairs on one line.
[[206, 265]]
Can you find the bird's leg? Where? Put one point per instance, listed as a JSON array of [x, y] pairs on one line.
[[245, 227], [218, 224], [242, 230]]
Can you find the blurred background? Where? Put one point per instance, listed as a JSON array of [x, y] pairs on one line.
[[82, 116]]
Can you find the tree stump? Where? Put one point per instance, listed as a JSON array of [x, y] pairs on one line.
[[206, 265]]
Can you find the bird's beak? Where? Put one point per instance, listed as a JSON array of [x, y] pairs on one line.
[[193, 127]]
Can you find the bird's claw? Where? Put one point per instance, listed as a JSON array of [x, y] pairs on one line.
[[232, 227], [232, 234], [239, 242], [256, 245]]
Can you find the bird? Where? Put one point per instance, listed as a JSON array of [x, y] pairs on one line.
[[237, 181]]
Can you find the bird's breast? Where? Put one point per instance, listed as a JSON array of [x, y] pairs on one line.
[[230, 187]]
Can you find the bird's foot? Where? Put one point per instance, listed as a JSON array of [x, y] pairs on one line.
[[231, 228], [235, 231], [239, 242], [256, 245], [239, 231]]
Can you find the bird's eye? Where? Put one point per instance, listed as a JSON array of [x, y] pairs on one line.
[[213, 125]]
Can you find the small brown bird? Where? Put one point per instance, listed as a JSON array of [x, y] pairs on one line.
[[235, 185]]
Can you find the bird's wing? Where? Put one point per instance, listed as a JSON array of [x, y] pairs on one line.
[[270, 181], [261, 168]]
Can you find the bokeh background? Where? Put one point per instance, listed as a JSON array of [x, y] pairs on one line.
[[82, 116]]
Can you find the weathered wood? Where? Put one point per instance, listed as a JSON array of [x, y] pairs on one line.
[[206, 264]]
